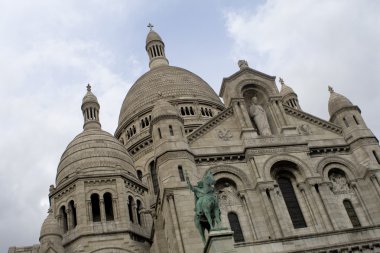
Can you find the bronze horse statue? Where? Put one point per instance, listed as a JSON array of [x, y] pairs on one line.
[[207, 212]]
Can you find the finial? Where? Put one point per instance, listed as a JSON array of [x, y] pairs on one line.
[[331, 89], [50, 210], [150, 26], [243, 64], [88, 87], [282, 81]]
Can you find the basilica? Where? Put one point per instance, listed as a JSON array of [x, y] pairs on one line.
[[286, 180]]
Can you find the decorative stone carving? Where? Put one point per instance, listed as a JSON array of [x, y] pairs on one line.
[[339, 183], [224, 134], [243, 64], [304, 129], [259, 117]]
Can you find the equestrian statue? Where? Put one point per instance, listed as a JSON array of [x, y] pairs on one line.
[[207, 212]]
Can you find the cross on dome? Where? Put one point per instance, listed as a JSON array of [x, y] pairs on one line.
[[281, 81], [331, 89], [88, 87], [150, 26]]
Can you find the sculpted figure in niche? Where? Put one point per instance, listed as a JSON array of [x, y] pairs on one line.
[[339, 182], [258, 115]]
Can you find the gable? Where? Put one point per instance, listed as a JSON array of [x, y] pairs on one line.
[[311, 125]]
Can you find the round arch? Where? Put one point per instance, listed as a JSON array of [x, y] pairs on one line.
[[329, 163], [302, 169], [233, 173], [246, 84]]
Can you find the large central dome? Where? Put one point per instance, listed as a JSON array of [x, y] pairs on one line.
[[170, 83]]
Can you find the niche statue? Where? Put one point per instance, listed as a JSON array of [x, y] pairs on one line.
[[207, 212], [257, 113]]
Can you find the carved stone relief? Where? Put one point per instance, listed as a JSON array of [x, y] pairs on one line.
[[339, 183], [224, 134], [304, 129]]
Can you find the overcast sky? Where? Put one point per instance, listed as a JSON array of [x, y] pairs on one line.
[[50, 50]]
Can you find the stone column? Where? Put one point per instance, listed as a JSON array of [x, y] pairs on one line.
[[254, 169], [375, 183], [173, 213], [270, 216], [321, 208], [115, 208], [248, 214], [89, 210], [354, 186], [325, 190], [303, 187], [70, 219], [102, 211], [239, 114], [281, 210]]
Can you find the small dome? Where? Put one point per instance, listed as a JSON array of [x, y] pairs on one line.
[[337, 102], [94, 152], [286, 90], [50, 226], [163, 108], [89, 97], [153, 36]]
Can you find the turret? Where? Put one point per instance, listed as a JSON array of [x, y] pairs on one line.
[[169, 138], [289, 97], [90, 109], [155, 48], [51, 235]]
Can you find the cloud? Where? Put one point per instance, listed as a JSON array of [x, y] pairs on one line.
[[312, 44]]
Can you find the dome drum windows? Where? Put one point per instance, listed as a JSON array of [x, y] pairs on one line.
[[187, 111], [134, 210], [206, 112], [145, 122], [68, 217], [131, 131], [101, 209]]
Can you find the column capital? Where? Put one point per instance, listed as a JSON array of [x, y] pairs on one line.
[[170, 196]]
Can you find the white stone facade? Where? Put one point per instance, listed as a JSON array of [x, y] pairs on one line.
[[306, 185]]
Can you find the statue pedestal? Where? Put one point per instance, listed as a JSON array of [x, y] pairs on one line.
[[248, 133], [220, 241]]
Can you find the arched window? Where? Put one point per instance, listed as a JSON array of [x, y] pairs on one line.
[[187, 110], [356, 121], [180, 172], [130, 208], [142, 123], [202, 112], [63, 214], [182, 111], [235, 226], [171, 130], [210, 112], [291, 202], [95, 207], [191, 110], [351, 213], [153, 173], [139, 175], [159, 133], [345, 122], [376, 156], [108, 206], [73, 213], [138, 209]]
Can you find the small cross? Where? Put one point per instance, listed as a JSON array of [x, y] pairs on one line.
[[150, 26], [282, 81], [331, 89], [88, 87]]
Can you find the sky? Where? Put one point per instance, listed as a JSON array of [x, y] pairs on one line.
[[50, 50]]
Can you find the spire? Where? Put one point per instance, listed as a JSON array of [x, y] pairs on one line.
[[155, 48], [90, 110]]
